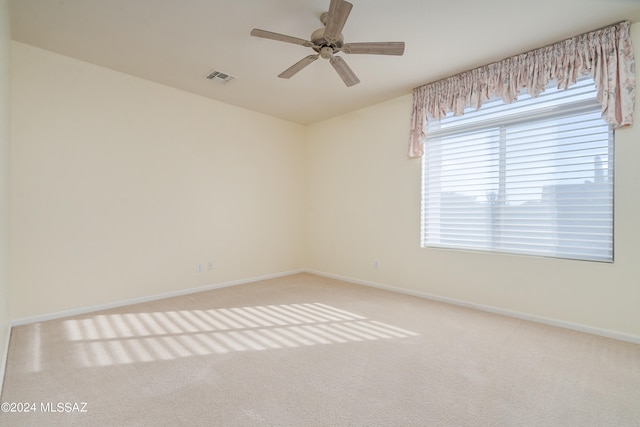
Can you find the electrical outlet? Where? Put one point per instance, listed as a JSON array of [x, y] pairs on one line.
[[376, 264], [210, 266], [199, 268]]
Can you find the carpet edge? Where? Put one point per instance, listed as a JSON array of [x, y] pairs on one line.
[[620, 336]]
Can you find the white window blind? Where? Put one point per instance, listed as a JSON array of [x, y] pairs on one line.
[[533, 177]]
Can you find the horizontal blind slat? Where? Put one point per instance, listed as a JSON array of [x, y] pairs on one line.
[[533, 177]]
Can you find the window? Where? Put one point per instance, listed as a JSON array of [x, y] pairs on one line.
[[533, 177]]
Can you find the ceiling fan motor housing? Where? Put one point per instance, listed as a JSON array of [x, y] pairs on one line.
[[323, 46]]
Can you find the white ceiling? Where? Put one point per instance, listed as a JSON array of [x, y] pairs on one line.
[[177, 42]]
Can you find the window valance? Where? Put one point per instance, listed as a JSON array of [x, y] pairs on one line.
[[605, 54]]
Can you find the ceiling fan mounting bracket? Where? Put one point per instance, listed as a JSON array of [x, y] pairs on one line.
[[324, 18]]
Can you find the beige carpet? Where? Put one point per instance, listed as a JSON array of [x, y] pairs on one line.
[[310, 351]]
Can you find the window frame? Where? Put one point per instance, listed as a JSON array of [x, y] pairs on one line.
[[436, 130]]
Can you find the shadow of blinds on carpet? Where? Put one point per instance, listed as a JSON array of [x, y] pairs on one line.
[[113, 339]]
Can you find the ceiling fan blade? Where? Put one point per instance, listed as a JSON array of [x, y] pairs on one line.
[[291, 71], [338, 13], [346, 74], [382, 48], [280, 37]]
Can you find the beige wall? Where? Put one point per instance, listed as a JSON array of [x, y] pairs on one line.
[[121, 186], [364, 204], [5, 40]]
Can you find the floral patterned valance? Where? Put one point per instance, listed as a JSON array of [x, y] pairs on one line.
[[605, 54]]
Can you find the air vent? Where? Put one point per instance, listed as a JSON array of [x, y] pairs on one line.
[[219, 76]]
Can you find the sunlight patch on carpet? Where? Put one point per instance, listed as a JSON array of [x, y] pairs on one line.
[[113, 339]]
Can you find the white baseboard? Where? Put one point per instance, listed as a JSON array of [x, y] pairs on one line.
[[123, 303], [496, 310], [3, 357]]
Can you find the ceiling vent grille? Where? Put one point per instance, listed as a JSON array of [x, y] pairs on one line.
[[219, 76]]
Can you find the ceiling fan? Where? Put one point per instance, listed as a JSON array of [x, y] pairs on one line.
[[328, 40]]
